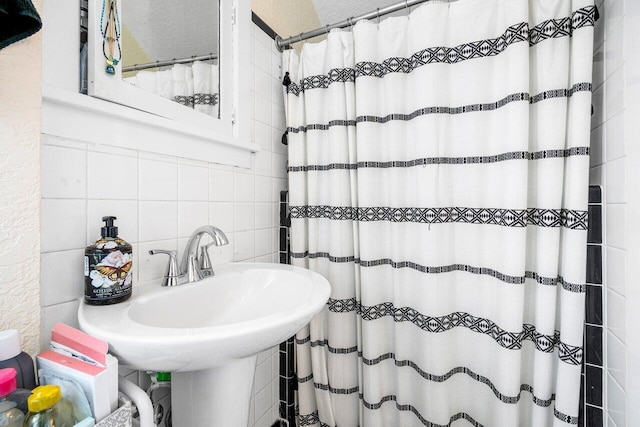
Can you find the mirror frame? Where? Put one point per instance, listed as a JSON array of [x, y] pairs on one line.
[[112, 88]]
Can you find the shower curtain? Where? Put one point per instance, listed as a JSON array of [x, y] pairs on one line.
[[194, 86], [438, 175]]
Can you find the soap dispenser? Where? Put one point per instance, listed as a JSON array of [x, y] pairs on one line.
[[107, 267]]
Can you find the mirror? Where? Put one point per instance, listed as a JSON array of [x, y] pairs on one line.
[[160, 56], [171, 49]]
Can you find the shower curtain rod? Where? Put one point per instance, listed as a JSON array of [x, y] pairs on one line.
[[282, 44], [169, 62]]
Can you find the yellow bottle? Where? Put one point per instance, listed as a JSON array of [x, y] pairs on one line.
[[47, 409]]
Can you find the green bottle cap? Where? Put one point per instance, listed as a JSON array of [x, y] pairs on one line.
[[163, 376]]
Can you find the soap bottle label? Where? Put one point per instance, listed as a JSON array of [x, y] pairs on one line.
[[109, 272]]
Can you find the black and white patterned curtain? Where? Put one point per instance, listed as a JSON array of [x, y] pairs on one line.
[[192, 85], [438, 173]]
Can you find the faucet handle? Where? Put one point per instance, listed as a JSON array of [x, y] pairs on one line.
[[173, 272], [206, 269]]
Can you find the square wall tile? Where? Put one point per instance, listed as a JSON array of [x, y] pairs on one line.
[[263, 404], [616, 182], [61, 277], [221, 185], [595, 194], [598, 103], [221, 215], [614, 48], [615, 137], [594, 264], [279, 166], [63, 224], [616, 315], [596, 175], [594, 234], [263, 244], [593, 417], [66, 313], [64, 173], [615, 93], [264, 189], [598, 66], [262, 58], [263, 83], [262, 110], [191, 215], [263, 374], [263, 163], [276, 142], [111, 176], [616, 396], [593, 349], [616, 359], [614, 13], [264, 216], [244, 246], [193, 183], [244, 187], [158, 221], [597, 146], [616, 268], [262, 132], [277, 92], [244, 216], [277, 117], [593, 305], [158, 180], [593, 385], [616, 216], [276, 65]]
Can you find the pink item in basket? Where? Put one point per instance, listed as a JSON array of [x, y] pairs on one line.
[[7, 381], [90, 346]]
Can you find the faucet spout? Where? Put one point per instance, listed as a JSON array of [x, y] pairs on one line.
[[190, 262]]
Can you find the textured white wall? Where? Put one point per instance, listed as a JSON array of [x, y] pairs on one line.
[[20, 106]]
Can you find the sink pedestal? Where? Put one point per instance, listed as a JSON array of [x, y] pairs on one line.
[[213, 397]]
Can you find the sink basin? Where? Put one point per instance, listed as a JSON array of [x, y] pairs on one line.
[[208, 332]]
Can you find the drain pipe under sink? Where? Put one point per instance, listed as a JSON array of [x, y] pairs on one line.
[[139, 398]]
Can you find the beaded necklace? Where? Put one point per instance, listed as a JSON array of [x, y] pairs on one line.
[[111, 48]]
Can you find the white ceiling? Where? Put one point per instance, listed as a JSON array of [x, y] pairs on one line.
[[166, 29], [332, 11]]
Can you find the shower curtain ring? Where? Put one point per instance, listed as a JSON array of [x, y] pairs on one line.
[[378, 14], [326, 29]]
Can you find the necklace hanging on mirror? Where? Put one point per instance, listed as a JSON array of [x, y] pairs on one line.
[[110, 35]]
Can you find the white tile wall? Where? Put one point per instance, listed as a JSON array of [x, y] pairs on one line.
[[159, 200], [616, 148]]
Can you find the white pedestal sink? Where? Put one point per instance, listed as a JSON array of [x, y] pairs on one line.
[[208, 333]]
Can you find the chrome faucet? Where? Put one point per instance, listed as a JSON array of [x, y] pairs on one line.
[[194, 266]]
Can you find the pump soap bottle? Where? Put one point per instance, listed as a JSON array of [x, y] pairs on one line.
[[107, 267]]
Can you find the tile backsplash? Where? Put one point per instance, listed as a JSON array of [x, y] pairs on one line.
[[159, 200]]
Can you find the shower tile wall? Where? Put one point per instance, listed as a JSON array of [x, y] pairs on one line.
[[288, 378], [591, 402], [159, 201], [614, 134]]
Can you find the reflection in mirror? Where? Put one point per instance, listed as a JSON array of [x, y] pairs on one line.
[[171, 49]]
